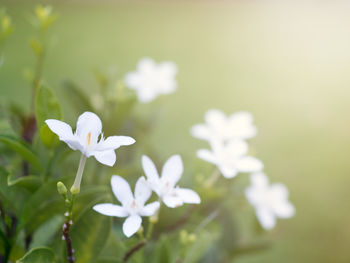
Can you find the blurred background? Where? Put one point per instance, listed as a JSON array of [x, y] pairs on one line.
[[287, 62]]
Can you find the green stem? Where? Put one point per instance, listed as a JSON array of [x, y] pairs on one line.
[[75, 189], [212, 179]]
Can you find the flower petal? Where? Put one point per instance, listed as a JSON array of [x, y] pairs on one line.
[[105, 157], [150, 169], [206, 155], [236, 148], [172, 201], [114, 142], [215, 118], [249, 164], [62, 129], [259, 180], [121, 190], [188, 196], [172, 171], [200, 131], [228, 172], [241, 124], [150, 209], [110, 210], [89, 123], [266, 218], [142, 191], [131, 225]]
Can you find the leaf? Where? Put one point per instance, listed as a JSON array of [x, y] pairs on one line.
[[48, 138], [89, 235], [198, 249], [77, 98], [248, 249], [36, 255], [30, 183], [162, 251], [22, 149], [46, 106], [36, 46]]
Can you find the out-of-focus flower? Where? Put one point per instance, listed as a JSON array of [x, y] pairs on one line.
[[218, 126], [165, 186], [230, 158], [151, 79], [133, 206], [86, 138], [270, 201]]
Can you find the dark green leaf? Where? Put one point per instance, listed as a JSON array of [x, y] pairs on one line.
[[30, 183], [77, 98], [46, 106], [36, 255]]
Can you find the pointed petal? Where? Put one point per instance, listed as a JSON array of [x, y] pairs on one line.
[[121, 190], [188, 196], [215, 118], [172, 201], [110, 210], [241, 124], [150, 209], [201, 131], [133, 80], [131, 225], [142, 191], [249, 164], [206, 155], [114, 142], [89, 122], [105, 157], [62, 129], [284, 210], [236, 148], [146, 65], [266, 218], [172, 171], [150, 169], [259, 180], [228, 172], [145, 94]]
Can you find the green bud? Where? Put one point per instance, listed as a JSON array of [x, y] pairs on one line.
[[154, 219], [75, 190], [61, 188]]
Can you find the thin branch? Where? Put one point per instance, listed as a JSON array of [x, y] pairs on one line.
[[132, 250], [68, 239]]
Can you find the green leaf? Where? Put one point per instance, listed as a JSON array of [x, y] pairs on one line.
[[36, 46], [77, 98], [48, 138], [162, 251], [22, 149], [198, 249], [30, 183], [46, 106], [36, 255], [89, 235]]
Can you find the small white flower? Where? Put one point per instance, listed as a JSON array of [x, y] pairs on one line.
[[165, 186], [151, 79], [86, 138], [133, 206], [269, 201], [231, 157], [218, 126]]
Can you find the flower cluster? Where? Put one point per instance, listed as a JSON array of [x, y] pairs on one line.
[[227, 137]]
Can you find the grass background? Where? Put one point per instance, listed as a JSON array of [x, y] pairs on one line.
[[286, 62]]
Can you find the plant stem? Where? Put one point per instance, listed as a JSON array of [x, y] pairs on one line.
[[75, 189], [212, 179], [66, 228], [132, 250]]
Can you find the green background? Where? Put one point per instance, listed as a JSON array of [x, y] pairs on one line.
[[287, 63]]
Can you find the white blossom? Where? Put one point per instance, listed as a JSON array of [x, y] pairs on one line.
[[270, 201], [218, 126], [133, 206], [165, 186], [230, 158], [88, 138], [151, 79]]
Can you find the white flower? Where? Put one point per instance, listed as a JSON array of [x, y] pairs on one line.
[[165, 186], [230, 158], [86, 138], [269, 201], [133, 206], [151, 79], [218, 126]]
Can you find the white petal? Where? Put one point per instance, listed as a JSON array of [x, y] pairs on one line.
[[284, 210], [89, 122], [259, 179], [150, 209], [266, 218], [172, 171], [121, 190], [207, 155], [200, 131], [142, 191], [132, 80], [145, 94], [105, 157], [146, 65], [150, 169], [131, 225], [215, 118], [236, 148], [168, 68], [111, 210], [62, 129], [114, 142], [228, 172], [172, 201], [241, 124], [249, 164], [188, 196]]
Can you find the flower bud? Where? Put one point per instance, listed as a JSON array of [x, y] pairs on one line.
[[75, 190], [61, 188], [154, 219]]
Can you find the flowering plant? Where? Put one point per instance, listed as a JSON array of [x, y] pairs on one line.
[[99, 218]]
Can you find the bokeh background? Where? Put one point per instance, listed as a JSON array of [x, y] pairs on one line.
[[287, 62]]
